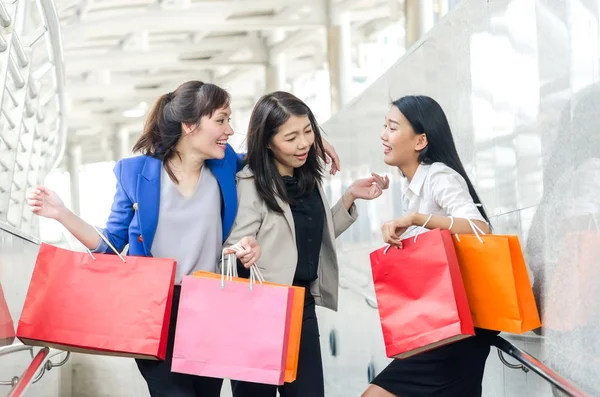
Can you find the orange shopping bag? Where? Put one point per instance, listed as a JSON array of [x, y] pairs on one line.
[[575, 274], [293, 348], [496, 281]]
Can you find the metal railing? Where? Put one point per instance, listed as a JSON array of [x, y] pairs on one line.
[[32, 104], [40, 364], [530, 363]]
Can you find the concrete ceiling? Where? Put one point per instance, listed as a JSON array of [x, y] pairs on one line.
[[123, 53]]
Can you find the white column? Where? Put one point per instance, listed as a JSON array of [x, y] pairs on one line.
[[74, 166], [275, 75], [124, 139], [121, 144], [419, 19], [443, 7], [275, 69], [339, 55]]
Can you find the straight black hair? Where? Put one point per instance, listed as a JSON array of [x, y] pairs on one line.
[[426, 116], [271, 112]]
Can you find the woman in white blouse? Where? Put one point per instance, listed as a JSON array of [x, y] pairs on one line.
[[417, 140]]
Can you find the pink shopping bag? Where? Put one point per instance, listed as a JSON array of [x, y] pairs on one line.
[[231, 330]]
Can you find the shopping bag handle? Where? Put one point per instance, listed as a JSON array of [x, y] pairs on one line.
[[474, 227], [423, 227], [103, 237], [229, 260], [417, 235]]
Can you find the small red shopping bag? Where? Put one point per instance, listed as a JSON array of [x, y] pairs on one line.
[[420, 294], [100, 304], [233, 329], [7, 327]]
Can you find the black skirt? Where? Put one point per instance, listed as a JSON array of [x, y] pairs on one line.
[[454, 370]]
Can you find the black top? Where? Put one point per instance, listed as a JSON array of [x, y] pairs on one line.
[[309, 221]]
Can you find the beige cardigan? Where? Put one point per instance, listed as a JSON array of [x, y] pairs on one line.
[[277, 237]]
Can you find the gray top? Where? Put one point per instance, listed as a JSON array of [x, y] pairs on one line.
[[189, 229]]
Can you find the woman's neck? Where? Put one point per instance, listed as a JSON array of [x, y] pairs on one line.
[[409, 170], [188, 164], [283, 169]]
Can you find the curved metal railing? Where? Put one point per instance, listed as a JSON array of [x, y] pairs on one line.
[[32, 133], [32, 104], [530, 363], [40, 364]]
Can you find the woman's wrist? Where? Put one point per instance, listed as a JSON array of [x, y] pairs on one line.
[[348, 199], [417, 219], [63, 214]]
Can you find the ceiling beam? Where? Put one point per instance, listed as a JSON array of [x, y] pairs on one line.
[[170, 21], [295, 39], [206, 45], [113, 8], [141, 79], [128, 61]]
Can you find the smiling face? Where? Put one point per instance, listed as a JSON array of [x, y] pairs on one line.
[[209, 137], [401, 145], [292, 143]]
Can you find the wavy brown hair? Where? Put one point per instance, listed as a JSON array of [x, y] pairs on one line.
[[163, 126]]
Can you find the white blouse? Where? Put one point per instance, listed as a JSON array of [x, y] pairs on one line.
[[437, 189]]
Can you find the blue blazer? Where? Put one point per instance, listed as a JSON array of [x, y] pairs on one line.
[[134, 213]]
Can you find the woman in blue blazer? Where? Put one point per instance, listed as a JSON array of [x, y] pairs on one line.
[[177, 200]]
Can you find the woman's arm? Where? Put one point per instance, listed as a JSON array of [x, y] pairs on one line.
[[453, 197], [80, 229], [46, 203], [391, 231], [343, 217], [344, 211], [331, 156], [247, 222]]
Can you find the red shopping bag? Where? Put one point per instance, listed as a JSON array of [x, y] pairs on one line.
[[7, 327], [229, 330], [420, 295], [98, 304]]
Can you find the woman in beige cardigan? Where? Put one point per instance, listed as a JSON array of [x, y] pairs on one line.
[[282, 203]]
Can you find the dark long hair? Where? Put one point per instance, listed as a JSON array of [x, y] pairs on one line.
[[187, 104], [270, 112], [426, 116]]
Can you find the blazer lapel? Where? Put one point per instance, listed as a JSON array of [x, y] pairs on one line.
[[226, 178], [148, 196], [328, 216], [287, 213]]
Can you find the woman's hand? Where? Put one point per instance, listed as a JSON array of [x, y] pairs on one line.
[[46, 203], [392, 230], [250, 252], [330, 156], [366, 188], [369, 188]]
